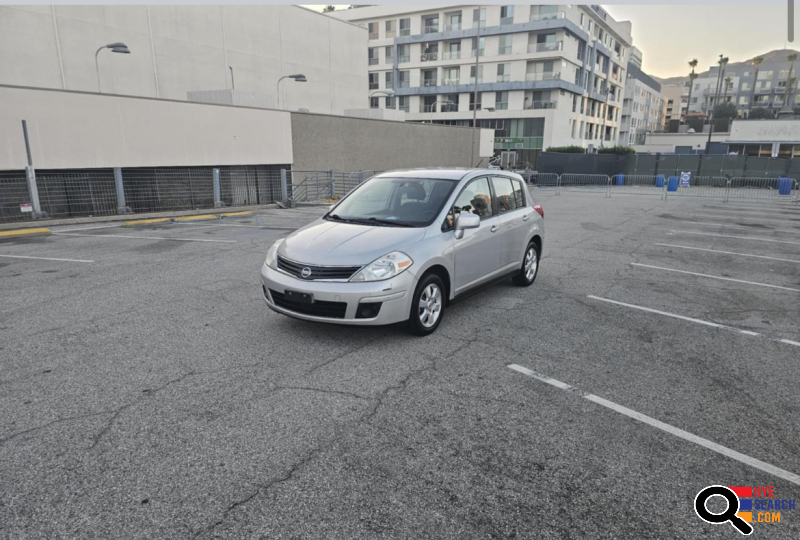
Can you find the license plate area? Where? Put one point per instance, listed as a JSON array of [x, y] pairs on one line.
[[298, 297]]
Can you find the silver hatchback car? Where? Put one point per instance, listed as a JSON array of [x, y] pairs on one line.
[[405, 244]]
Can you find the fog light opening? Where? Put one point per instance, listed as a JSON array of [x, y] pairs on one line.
[[368, 310]]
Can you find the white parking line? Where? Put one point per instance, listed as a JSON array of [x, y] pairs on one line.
[[45, 258], [754, 229], [697, 321], [77, 229], [672, 430], [739, 237], [148, 237], [729, 253], [716, 277]]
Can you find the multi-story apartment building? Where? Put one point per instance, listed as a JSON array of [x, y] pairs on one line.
[[642, 107], [745, 90], [545, 75], [676, 96]]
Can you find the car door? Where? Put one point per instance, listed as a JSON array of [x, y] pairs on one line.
[[477, 253], [514, 213]]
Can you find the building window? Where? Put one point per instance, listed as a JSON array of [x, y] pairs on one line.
[[501, 101], [373, 81], [372, 54], [389, 82], [582, 20], [404, 78], [479, 17], [506, 14], [391, 102], [478, 48], [430, 24], [764, 75], [403, 103], [479, 69], [389, 51], [472, 100], [503, 72], [374, 103], [505, 44], [391, 29], [453, 21], [403, 54], [373, 30], [405, 27]]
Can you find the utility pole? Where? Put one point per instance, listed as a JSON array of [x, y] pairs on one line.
[[475, 90]]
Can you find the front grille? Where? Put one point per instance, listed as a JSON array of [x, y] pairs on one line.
[[318, 308], [317, 272]]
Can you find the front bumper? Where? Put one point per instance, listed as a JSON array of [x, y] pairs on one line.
[[393, 294]]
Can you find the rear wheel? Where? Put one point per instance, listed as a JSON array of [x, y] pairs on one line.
[[530, 266], [427, 306]]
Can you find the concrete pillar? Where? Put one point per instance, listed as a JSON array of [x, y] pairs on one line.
[[122, 208], [33, 190], [217, 196], [284, 186]]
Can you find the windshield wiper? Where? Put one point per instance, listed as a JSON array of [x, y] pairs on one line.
[[370, 221], [390, 222]]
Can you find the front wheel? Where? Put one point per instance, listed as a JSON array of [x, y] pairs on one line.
[[427, 306], [530, 267]]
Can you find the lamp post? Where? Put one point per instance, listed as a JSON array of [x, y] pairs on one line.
[[115, 47], [607, 92], [475, 89], [299, 77]]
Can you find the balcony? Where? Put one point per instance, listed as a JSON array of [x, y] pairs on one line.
[[373, 35], [504, 50], [373, 61], [433, 29], [546, 76], [504, 78], [547, 16], [403, 59], [402, 84], [428, 82], [450, 82], [549, 46], [506, 20], [429, 56], [451, 55], [405, 32], [472, 80], [540, 105], [452, 27], [480, 52]]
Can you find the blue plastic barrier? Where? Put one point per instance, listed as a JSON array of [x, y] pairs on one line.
[[660, 181], [620, 179], [784, 185], [672, 184]]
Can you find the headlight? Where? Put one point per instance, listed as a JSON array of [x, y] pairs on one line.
[[272, 255], [386, 267]]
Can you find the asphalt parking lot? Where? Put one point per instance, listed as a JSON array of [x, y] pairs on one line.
[[146, 391]]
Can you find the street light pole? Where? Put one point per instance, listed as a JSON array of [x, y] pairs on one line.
[[115, 47], [475, 90], [299, 77]]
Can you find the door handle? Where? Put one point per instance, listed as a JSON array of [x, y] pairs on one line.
[[525, 218], [494, 228]]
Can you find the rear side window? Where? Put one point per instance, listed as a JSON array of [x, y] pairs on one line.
[[508, 194]]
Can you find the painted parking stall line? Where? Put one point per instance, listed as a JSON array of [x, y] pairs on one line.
[[693, 320], [45, 258], [148, 237], [753, 228], [715, 277], [667, 428], [729, 253], [758, 239]]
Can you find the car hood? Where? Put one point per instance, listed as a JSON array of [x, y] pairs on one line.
[[328, 243]]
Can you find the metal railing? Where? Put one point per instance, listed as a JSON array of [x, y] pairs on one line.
[[545, 47], [543, 104], [583, 182], [543, 76], [547, 16], [324, 186], [429, 56], [451, 55]]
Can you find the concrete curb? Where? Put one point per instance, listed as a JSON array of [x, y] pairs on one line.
[[24, 232], [200, 217], [128, 217]]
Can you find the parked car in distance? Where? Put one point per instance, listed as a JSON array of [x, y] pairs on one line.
[[404, 245]]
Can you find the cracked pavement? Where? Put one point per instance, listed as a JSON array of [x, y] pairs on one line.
[[153, 395]]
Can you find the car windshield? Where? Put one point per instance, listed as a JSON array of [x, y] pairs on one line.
[[397, 202]]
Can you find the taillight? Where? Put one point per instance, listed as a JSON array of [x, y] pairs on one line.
[[539, 209]]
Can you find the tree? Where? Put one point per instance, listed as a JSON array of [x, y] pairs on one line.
[[725, 111], [759, 113], [692, 77], [756, 63], [791, 58], [728, 84], [328, 9]]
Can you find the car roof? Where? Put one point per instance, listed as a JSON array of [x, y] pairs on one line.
[[441, 173]]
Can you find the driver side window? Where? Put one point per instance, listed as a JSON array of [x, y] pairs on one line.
[[475, 198]]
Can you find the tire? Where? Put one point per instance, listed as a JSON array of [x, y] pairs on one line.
[[430, 291], [527, 274]]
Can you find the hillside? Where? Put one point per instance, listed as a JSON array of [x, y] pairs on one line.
[[776, 55]]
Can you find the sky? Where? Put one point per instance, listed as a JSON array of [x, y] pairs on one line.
[[671, 35]]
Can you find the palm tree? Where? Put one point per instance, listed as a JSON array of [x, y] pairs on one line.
[[756, 62], [692, 77], [728, 84], [791, 58]]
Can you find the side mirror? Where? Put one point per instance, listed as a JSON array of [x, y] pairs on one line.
[[464, 222]]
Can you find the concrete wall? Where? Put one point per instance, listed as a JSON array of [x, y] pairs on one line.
[[83, 130], [324, 142], [666, 142], [177, 49], [765, 131]]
